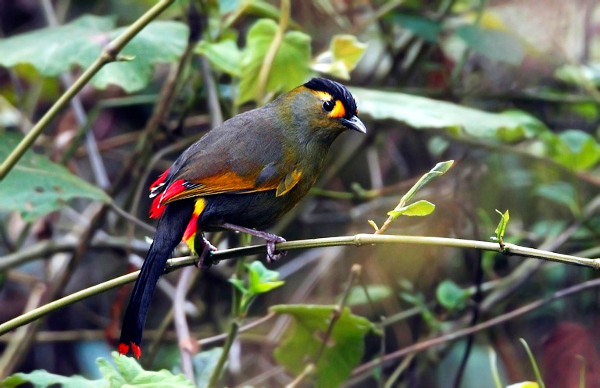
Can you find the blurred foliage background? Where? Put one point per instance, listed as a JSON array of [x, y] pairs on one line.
[[508, 89]]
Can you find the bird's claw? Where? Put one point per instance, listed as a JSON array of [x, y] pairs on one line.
[[272, 253], [205, 259]]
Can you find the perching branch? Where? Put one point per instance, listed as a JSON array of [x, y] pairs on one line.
[[356, 240]]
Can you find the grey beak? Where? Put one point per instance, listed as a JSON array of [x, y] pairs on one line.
[[355, 124]]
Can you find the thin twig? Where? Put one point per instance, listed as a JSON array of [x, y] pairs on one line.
[[242, 329], [308, 370], [109, 54], [133, 219], [420, 346]]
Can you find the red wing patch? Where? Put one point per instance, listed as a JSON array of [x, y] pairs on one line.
[[159, 181], [158, 204]]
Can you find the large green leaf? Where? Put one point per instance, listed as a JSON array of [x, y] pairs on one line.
[[422, 112], [54, 50], [224, 55], [36, 186], [128, 373], [42, 378], [497, 45], [344, 349], [289, 68]]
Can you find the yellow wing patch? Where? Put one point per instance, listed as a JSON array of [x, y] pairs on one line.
[[288, 182]]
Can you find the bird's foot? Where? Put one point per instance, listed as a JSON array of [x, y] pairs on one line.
[[273, 254], [205, 259]]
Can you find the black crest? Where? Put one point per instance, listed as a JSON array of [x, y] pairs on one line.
[[337, 91]]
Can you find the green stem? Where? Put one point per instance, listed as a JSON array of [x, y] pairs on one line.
[[536, 370], [233, 330], [109, 54], [263, 76], [237, 312]]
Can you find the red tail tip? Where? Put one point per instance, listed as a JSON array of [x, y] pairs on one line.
[[123, 349], [136, 350]]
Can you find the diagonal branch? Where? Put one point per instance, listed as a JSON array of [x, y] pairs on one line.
[[109, 54]]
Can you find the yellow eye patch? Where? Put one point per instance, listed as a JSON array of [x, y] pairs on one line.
[[338, 110], [322, 95]]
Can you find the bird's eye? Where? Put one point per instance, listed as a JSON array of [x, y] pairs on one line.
[[328, 105]]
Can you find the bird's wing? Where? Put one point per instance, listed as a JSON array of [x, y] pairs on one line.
[[231, 182], [212, 167]]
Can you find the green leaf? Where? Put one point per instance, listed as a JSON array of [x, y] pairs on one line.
[[131, 374], [418, 300], [224, 55], [496, 45], [377, 292], [438, 170], [261, 279], [561, 193], [128, 373], [501, 228], [289, 68], [579, 75], [426, 113], [424, 28], [263, 9], [345, 51], [344, 348], [419, 208], [575, 149], [54, 50], [109, 372], [41, 378], [451, 296], [36, 186], [239, 284]]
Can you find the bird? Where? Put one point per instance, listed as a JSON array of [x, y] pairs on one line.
[[242, 175]]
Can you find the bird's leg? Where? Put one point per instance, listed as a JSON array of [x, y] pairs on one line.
[[270, 238], [204, 260]]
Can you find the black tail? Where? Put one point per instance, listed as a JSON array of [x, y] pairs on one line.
[[170, 229]]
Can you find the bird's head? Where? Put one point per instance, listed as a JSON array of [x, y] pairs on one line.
[[324, 109]]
